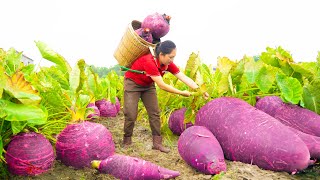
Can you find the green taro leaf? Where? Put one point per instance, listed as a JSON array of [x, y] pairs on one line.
[[291, 89], [269, 57], [22, 112], [13, 61], [57, 75], [18, 126], [265, 78], [74, 79], [311, 97], [225, 65], [54, 57], [238, 71], [306, 69], [251, 70], [2, 81], [1, 145]]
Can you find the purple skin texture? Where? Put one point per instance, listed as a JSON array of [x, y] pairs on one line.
[[29, 154], [176, 121], [251, 136], [201, 150], [158, 25], [106, 108], [269, 104], [78, 144], [312, 142], [291, 115], [145, 34], [127, 167], [95, 112]]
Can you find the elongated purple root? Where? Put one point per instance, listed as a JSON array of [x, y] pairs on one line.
[[201, 150], [251, 136], [127, 167], [312, 142], [291, 115]]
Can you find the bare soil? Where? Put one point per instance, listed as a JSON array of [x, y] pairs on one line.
[[142, 148]]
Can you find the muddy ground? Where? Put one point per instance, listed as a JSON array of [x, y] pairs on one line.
[[142, 148]]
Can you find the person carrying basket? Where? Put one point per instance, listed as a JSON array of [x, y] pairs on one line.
[[139, 82]]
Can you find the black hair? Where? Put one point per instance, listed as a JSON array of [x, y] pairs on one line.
[[165, 47]]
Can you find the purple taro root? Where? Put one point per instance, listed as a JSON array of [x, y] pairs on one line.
[[201, 150], [291, 115], [29, 154], [145, 34], [106, 108], [251, 136], [78, 144], [94, 112], [127, 167], [176, 121], [312, 142], [159, 24]]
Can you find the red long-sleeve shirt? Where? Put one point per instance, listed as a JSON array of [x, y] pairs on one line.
[[152, 67]]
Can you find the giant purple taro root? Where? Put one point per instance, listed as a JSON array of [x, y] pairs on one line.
[[176, 121], [106, 108], [251, 136], [94, 112], [78, 144], [201, 150], [291, 115], [269, 104], [127, 167], [29, 154], [312, 142], [158, 24]]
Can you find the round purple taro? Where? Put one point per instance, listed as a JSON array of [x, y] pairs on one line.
[[158, 24], [78, 144], [176, 121], [29, 154], [145, 34], [106, 108], [95, 113]]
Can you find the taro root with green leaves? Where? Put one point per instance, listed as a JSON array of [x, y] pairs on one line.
[[20, 108]]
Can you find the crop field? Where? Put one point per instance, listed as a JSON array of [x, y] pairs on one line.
[[56, 120]]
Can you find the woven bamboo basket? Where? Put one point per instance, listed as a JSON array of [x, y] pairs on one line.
[[131, 46]]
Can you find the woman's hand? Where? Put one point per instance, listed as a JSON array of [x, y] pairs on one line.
[[205, 95], [185, 93]]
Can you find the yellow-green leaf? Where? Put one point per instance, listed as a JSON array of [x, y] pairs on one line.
[[22, 90], [251, 69]]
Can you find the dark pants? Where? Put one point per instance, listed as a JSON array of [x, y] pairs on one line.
[[148, 95]]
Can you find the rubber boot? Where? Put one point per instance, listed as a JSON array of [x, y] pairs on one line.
[[127, 141], [157, 144]]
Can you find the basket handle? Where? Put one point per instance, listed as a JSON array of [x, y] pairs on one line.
[[152, 52]]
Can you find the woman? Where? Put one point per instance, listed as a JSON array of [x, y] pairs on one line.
[[142, 85]]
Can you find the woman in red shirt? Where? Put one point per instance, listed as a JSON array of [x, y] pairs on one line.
[[142, 85]]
